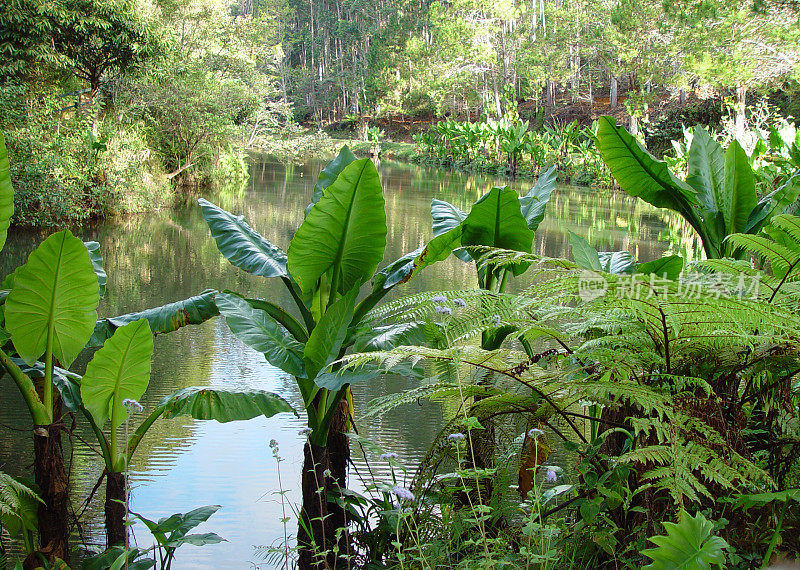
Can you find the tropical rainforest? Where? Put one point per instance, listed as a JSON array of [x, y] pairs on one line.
[[603, 405]]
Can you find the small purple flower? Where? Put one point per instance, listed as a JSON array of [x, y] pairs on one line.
[[443, 310], [496, 320], [535, 433], [390, 455], [551, 476], [304, 431], [439, 299], [132, 405], [460, 303], [403, 493], [458, 436]]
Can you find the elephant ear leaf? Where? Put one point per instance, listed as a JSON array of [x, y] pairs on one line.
[[705, 169], [739, 198], [97, 264], [6, 192], [258, 330], [669, 267], [166, 318], [495, 220], [242, 245], [533, 204], [119, 371], [446, 217], [329, 174], [687, 544], [205, 403], [640, 174], [52, 304], [585, 256], [344, 233]]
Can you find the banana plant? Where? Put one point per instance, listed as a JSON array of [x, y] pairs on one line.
[[335, 251], [718, 197]]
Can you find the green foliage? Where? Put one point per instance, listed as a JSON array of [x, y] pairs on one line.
[[120, 370], [344, 234], [94, 37], [333, 253], [688, 544], [166, 318], [188, 112], [717, 199], [170, 534], [18, 504], [224, 405], [480, 146], [6, 192], [51, 308], [646, 364]]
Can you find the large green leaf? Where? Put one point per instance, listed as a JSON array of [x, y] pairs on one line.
[[55, 296], [640, 174], [166, 318], [495, 220], [120, 370], [285, 319], [326, 339], [616, 262], [261, 332], [688, 545], [585, 256], [344, 233], [204, 403], [739, 198], [534, 203], [705, 169], [97, 264], [669, 267], [242, 245], [329, 174], [446, 217], [6, 192], [170, 531]]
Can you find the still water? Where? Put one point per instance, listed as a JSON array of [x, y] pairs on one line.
[[169, 255]]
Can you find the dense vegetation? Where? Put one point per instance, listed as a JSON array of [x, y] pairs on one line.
[[670, 388], [616, 412], [115, 99]]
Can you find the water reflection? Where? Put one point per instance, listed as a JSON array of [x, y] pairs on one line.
[[170, 255]]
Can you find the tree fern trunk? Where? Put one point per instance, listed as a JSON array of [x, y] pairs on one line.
[[51, 478], [324, 473], [116, 491]]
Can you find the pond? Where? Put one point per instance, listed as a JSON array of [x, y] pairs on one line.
[[168, 255]]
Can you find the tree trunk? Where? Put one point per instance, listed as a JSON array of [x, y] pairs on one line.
[[116, 493], [324, 473], [612, 96], [54, 488], [741, 106]]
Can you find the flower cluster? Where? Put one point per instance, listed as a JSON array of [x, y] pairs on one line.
[[132, 405], [458, 436], [402, 493], [389, 455]]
